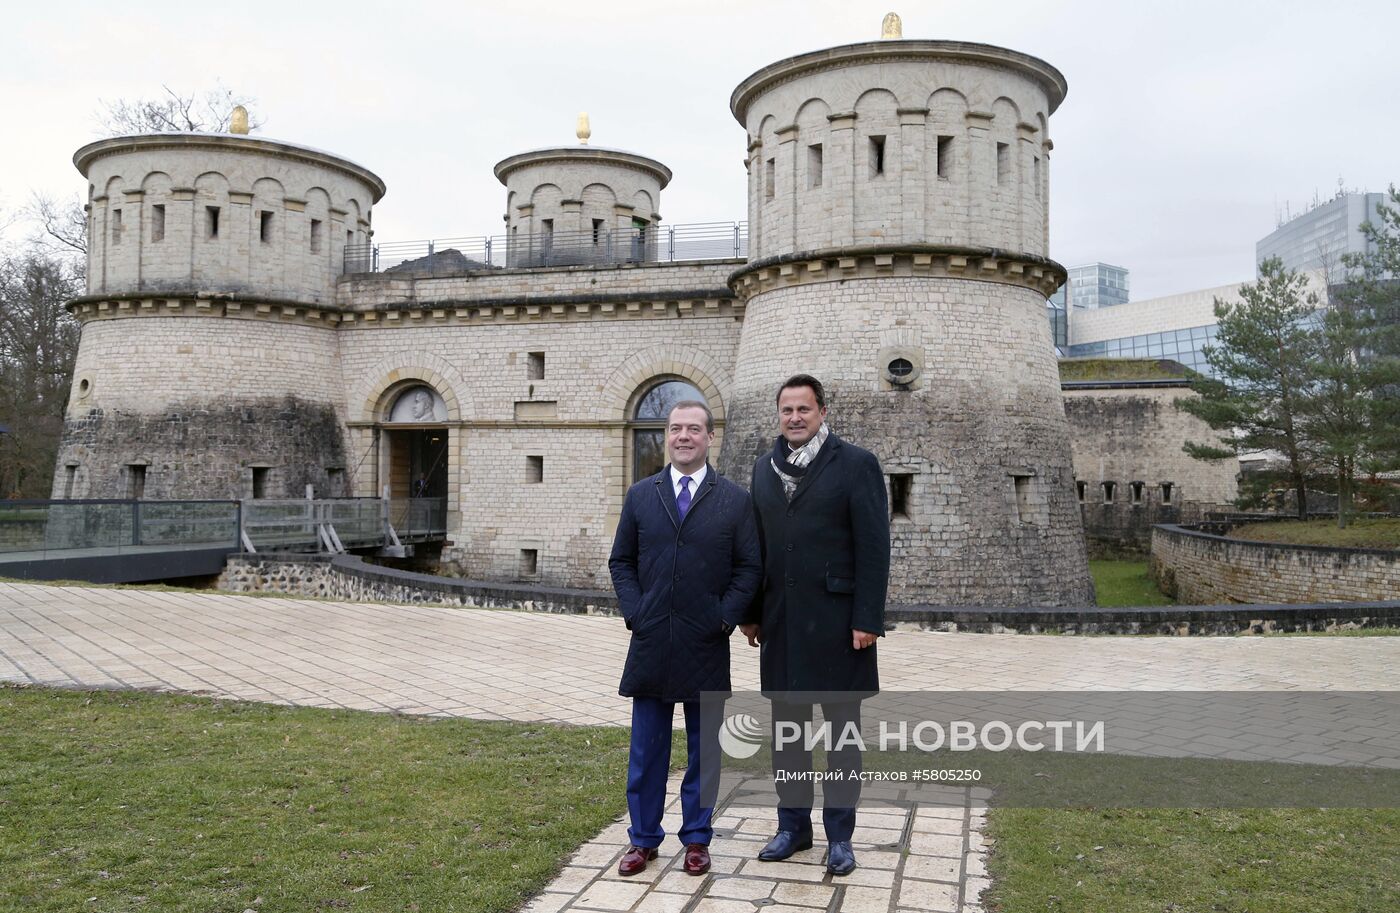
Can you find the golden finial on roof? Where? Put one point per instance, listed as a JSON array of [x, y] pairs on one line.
[[583, 131], [891, 28], [238, 120]]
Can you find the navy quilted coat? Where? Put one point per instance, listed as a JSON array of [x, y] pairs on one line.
[[683, 586]]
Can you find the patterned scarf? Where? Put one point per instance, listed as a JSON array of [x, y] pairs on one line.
[[791, 466]]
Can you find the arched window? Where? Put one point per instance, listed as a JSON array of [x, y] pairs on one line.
[[648, 424]]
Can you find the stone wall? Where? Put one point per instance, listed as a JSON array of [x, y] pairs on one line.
[[351, 577], [1130, 435], [1201, 569]]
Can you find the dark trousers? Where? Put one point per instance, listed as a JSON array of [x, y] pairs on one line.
[[650, 762], [839, 797]]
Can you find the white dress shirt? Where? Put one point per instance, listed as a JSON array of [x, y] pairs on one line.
[[695, 479]]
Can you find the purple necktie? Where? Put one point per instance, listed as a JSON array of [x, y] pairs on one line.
[[683, 500]]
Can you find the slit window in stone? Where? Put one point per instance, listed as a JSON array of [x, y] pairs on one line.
[[265, 225], [1108, 490], [211, 222], [1082, 489], [814, 165], [945, 156], [315, 236], [1021, 488], [534, 469], [136, 481], [770, 173], [877, 156], [1167, 492], [116, 226], [158, 222], [1003, 162], [901, 486], [260, 478], [1135, 492]]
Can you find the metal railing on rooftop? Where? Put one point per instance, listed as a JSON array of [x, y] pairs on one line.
[[597, 247]]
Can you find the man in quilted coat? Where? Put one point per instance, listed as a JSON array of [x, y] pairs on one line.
[[685, 565]]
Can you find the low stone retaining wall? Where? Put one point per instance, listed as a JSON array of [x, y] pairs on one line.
[[353, 578], [1197, 567]]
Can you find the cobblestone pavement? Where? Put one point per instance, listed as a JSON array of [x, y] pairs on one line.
[[919, 856]]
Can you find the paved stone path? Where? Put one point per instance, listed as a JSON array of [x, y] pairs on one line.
[[924, 854]]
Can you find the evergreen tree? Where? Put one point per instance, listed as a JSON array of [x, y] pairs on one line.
[[1258, 397]]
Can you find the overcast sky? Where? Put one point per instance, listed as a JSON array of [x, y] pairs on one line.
[[1188, 126]]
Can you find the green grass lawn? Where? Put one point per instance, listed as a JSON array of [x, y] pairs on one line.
[[1196, 860], [1362, 533], [1124, 583], [124, 801]]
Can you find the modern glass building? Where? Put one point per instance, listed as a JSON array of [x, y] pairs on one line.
[[1059, 326], [1183, 345], [1319, 238], [1093, 286]]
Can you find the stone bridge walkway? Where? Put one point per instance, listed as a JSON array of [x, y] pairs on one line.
[[921, 857]]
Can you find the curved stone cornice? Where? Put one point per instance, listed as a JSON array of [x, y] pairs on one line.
[[848, 55], [593, 155], [85, 156], [979, 264]]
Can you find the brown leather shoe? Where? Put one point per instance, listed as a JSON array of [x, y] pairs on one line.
[[697, 859], [636, 859]]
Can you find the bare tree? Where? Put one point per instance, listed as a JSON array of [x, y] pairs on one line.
[[62, 226], [175, 112]]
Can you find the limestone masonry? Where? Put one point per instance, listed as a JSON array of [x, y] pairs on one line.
[[241, 341]]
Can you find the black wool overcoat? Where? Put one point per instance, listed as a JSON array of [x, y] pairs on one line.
[[826, 561], [683, 586]]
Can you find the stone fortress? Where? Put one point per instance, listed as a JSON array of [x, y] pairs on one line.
[[238, 341]]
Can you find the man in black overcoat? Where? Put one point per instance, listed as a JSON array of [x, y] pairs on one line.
[[823, 522], [686, 568]]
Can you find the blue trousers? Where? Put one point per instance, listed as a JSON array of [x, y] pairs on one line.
[[839, 797], [649, 764]]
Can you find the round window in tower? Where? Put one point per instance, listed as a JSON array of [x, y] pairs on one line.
[[900, 371], [84, 387]]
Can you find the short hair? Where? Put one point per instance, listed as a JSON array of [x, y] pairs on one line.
[[694, 404], [804, 380]]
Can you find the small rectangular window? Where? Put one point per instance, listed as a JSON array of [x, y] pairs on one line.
[[814, 165], [1021, 486], [548, 226], [534, 469], [534, 362], [265, 225], [529, 562], [1135, 492], [136, 481], [1167, 488], [116, 226], [70, 477], [1035, 166], [1003, 163], [901, 486], [597, 230], [211, 222], [877, 156], [349, 238], [1082, 488], [158, 222], [770, 177], [945, 156], [315, 236], [1108, 489], [260, 478]]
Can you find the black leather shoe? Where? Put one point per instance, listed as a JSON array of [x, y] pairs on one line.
[[840, 858], [784, 844]]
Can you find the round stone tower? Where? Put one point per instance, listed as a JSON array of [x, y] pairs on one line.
[[207, 366], [898, 198], [572, 205]]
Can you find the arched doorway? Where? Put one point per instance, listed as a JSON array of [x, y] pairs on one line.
[[647, 422], [416, 436]]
